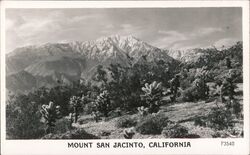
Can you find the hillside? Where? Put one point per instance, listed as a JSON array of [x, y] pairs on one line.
[[121, 87]]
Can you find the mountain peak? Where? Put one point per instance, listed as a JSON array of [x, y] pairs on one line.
[[118, 38]]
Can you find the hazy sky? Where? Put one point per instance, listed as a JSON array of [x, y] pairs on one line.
[[177, 28]]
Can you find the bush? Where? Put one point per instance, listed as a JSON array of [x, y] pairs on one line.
[[62, 125], [23, 122], [188, 94], [75, 134], [152, 124], [175, 131], [200, 121], [85, 120], [126, 122], [220, 119]]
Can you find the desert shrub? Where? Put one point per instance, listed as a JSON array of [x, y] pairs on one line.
[[194, 84], [23, 120], [216, 135], [104, 133], [232, 132], [96, 115], [152, 124], [85, 120], [115, 113], [75, 134], [188, 94], [126, 122], [237, 108], [220, 119], [62, 125], [200, 121], [174, 130], [88, 108]]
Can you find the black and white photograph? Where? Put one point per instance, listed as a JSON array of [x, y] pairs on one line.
[[110, 73], [147, 77]]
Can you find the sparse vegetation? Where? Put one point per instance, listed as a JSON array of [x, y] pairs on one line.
[[75, 134], [130, 96]]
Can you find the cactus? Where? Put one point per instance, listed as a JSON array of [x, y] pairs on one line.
[[76, 103], [129, 133], [71, 119], [142, 111], [201, 83], [50, 113], [102, 103], [96, 115], [152, 95]]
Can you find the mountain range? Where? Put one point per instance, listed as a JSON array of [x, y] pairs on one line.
[[52, 64], [31, 67]]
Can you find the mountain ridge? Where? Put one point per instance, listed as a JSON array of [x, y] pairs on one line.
[[77, 59]]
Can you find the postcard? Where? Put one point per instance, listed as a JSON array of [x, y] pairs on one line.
[[124, 77]]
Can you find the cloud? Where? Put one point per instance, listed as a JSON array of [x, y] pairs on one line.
[[225, 42], [122, 29], [185, 46], [173, 35], [129, 29], [82, 18], [42, 27], [168, 38], [160, 28], [108, 28], [179, 40], [205, 31]]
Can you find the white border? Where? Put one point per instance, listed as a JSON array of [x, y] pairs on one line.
[[199, 146]]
